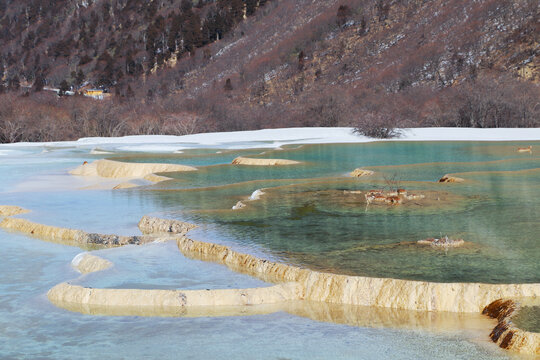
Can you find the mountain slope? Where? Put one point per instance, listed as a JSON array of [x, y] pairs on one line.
[[175, 68]]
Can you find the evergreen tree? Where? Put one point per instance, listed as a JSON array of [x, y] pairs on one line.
[[191, 32], [39, 82], [79, 78], [186, 6], [343, 14], [228, 85], [129, 92], [14, 83], [64, 86], [301, 61], [236, 11], [251, 6]]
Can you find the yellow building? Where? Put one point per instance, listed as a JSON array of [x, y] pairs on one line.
[[94, 93]]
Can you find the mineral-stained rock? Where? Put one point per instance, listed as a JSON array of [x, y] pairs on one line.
[[451, 179], [361, 172], [525, 149], [152, 225], [444, 242], [379, 198], [394, 200], [505, 333]]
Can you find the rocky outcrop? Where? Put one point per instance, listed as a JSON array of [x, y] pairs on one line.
[[506, 334], [116, 169], [153, 225], [86, 263], [451, 179], [359, 290], [71, 236], [11, 210], [361, 172], [263, 162]]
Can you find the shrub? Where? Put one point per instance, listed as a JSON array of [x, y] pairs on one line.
[[377, 125]]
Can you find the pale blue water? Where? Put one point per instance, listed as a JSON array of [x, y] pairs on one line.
[[293, 224]]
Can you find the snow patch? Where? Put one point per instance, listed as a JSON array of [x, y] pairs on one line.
[[273, 138]]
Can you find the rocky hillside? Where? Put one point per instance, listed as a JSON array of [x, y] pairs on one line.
[[183, 66], [108, 42]]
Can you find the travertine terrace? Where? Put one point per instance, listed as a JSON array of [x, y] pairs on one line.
[[116, 169], [262, 162]]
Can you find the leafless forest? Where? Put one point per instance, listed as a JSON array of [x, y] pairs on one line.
[[186, 67]]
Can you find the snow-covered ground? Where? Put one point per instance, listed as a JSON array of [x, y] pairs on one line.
[[273, 138]]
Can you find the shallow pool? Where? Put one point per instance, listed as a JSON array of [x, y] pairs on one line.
[[307, 216]]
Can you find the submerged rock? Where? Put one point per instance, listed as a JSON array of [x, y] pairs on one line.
[[414, 196], [87, 263], [125, 185], [152, 225], [113, 240]]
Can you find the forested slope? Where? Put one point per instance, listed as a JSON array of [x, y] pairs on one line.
[[180, 66]]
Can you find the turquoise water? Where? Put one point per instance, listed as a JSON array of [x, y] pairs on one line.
[[304, 218]]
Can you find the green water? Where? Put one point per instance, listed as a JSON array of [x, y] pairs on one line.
[[528, 318], [306, 218]]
